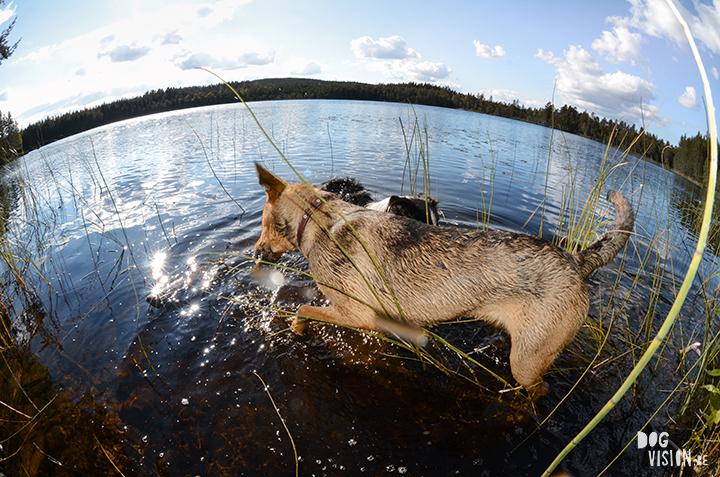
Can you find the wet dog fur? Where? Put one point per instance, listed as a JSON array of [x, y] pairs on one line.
[[523, 284], [420, 207]]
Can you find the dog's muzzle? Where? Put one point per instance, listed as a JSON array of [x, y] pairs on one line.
[[264, 255], [261, 254]]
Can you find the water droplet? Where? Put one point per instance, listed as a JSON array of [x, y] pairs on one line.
[[352, 442], [145, 438], [185, 401]]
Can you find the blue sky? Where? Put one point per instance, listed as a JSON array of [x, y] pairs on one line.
[[621, 59]]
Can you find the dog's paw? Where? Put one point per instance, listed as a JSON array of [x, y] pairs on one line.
[[298, 325], [538, 390]]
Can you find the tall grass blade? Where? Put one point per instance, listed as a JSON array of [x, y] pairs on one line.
[[692, 270], [267, 390]]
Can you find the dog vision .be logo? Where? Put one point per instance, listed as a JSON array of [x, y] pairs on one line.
[[660, 456]]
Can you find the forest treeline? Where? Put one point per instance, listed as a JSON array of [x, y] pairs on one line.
[[688, 158]]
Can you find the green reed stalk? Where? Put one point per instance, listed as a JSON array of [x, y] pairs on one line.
[[129, 269], [423, 159], [207, 158], [680, 383], [487, 205], [107, 455], [267, 390], [349, 225], [117, 211], [417, 153], [34, 418], [692, 270]]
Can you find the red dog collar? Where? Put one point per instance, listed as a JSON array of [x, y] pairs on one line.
[[306, 216]]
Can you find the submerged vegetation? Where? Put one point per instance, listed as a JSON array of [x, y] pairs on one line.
[[689, 157]]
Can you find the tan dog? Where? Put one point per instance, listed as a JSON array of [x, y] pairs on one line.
[[523, 284]]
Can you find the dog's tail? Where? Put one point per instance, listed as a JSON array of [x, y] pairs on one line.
[[603, 250]]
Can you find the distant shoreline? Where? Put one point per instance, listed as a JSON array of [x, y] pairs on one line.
[[687, 159]]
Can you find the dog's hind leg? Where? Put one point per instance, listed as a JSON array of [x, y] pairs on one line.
[[536, 344], [528, 362]]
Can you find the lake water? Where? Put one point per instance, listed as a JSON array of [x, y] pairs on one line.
[[171, 203]]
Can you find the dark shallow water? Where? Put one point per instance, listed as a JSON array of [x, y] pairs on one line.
[[170, 203]]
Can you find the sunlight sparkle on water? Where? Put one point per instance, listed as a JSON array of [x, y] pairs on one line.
[[190, 310], [156, 266], [158, 273]]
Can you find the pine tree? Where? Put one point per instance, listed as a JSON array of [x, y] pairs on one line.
[[10, 139], [6, 50]]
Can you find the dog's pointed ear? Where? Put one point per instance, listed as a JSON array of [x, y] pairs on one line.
[[273, 185]]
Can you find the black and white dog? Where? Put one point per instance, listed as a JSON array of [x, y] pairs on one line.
[[420, 207]]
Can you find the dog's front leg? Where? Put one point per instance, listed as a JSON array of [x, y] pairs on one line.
[[330, 314]]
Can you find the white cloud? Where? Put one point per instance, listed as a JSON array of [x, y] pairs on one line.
[[393, 48], [7, 12], [706, 28], [406, 70], [715, 73], [309, 69], [400, 62], [123, 53], [204, 12], [255, 58], [217, 13], [486, 52], [453, 86], [620, 46], [427, 71], [653, 17], [582, 82], [688, 98], [171, 38], [504, 95], [205, 60], [133, 55]]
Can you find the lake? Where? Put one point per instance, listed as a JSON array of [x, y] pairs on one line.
[[203, 381]]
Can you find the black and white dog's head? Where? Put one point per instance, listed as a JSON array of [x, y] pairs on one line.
[[420, 208], [413, 207]]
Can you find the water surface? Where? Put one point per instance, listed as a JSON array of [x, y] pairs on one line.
[[169, 204]]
